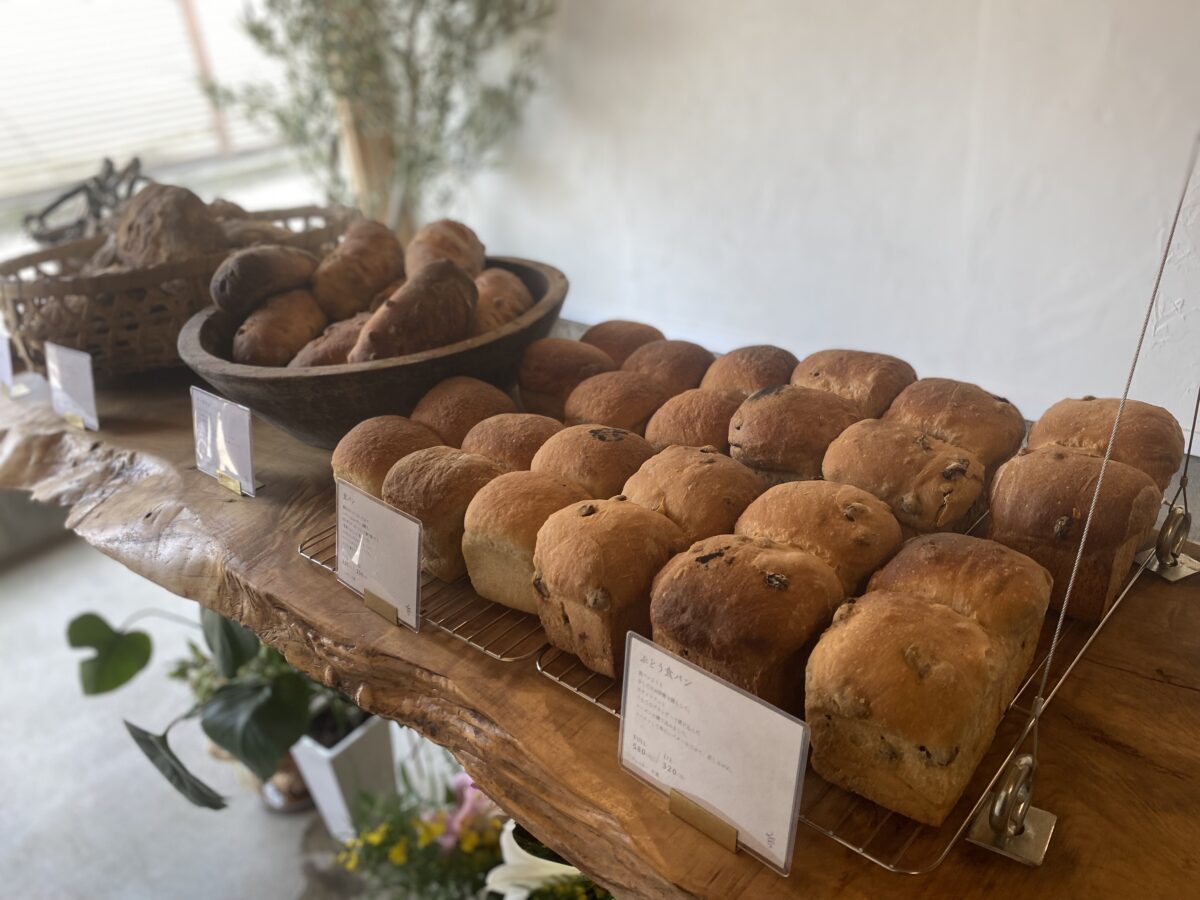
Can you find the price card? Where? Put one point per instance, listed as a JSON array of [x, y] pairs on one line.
[[221, 431], [6, 364], [72, 391], [379, 555], [689, 733]]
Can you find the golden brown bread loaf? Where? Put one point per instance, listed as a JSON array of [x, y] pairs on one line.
[[929, 484], [594, 564], [447, 240], [511, 439], [697, 488], [163, 224], [746, 609], [621, 399], [871, 381], [749, 369], [680, 365], [248, 277], [1149, 438], [333, 345], [782, 431], [552, 367], [453, 407], [501, 527], [851, 530], [367, 452], [597, 457], [502, 297], [278, 330], [1039, 501], [436, 486], [368, 259], [431, 309], [695, 418], [620, 337]]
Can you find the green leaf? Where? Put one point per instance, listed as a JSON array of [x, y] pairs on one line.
[[119, 655], [158, 752], [232, 645], [258, 721]]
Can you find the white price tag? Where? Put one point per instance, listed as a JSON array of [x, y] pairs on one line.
[[739, 758], [379, 553], [221, 430], [6, 365], [72, 391]]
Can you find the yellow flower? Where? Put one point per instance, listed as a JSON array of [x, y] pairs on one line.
[[468, 840], [398, 855], [428, 832], [351, 862], [375, 836]]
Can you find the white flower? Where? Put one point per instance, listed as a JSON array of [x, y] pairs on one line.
[[522, 872]]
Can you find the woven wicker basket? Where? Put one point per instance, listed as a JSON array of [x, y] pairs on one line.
[[128, 321]]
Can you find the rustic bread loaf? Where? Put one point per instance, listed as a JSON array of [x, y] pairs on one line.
[[621, 399], [620, 337], [680, 365], [552, 367], [436, 486], [782, 431], [597, 457], [367, 452], [333, 345], [225, 210], [502, 297], [746, 609], [249, 276], [453, 407], [447, 240], [1149, 437], [248, 232], [697, 488], [511, 439], [871, 381], [695, 418], [368, 259], [278, 330], [851, 530], [163, 224], [594, 564], [749, 369], [501, 527]]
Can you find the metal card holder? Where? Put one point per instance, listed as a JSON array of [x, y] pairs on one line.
[[684, 807]]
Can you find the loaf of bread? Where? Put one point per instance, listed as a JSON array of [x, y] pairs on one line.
[[248, 232], [278, 330], [248, 277], [367, 452], [680, 365], [502, 297], [598, 458], [453, 407], [594, 564], [436, 486], [697, 488], [746, 609], [501, 527], [621, 399], [695, 418], [1149, 438], [620, 337], [929, 484], [851, 530], [433, 308], [447, 240], [782, 431], [552, 367], [333, 345], [163, 224], [368, 259], [871, 381], [1039, 501], [511, 439], [749, 369]]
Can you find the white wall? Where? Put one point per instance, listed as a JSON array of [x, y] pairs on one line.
[[979, 186]]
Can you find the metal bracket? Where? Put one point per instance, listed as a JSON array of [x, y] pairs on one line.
[[1009, 824], [684, 807], [1166, 558]]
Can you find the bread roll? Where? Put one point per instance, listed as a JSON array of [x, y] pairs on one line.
[[746, 609], [598, 458], [929, 484], [511, 439], [749, 369], [248, 232], [1149, 437], [164, 224], [695, 418], [850, 529], [368, 259], [680, 365], [501, 527], [433, 308], [333, 345], [620, 337], [224, 210], [871, 381], [447, 240], [248, 277], [621, 399], [552, 367], [367, 452], [782, 431], [436, 486], [278, 330], [593, 565], [697, 488], [502, 297], [456, 405]]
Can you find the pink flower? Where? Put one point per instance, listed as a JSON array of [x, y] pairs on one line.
[[471, 802]]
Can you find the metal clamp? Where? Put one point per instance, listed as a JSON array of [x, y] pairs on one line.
[[1010, 824]]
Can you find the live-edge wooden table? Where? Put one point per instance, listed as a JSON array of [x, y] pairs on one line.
[[1120, 760]]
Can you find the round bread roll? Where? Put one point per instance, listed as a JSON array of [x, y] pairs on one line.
[[367, 452], [621, 399], [248, 277], [620, 337], [597, 457], [695, 418], [782, 431], [368, 259], [749, 369], [511, 439], [552, 367], [436, 485], [680, 365], [431, 309], [333, 345], [870, 381], [278, 330], [502, 297], [697, 488], [501, 528], [456, 405], [448, 240], [849, 528]]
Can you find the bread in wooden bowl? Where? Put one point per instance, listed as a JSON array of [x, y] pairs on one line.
[[431, 309], [620, 337], [279, 329], [599, 458], [552, 367], [680, 365], [512, 439], [333, 345], [367, 260], [369, 450], [620, 399], [749, 369], [446, 240], [248, 277], [871, 381], [695, 418], [502, 297], [457, 405]]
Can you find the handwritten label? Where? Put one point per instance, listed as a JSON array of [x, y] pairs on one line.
[[741, 759], [72, 391], [221, 431], [379, 550]]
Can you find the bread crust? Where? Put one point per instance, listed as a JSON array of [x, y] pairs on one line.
[[453, 407], [871, 381], [278, 330], [620, 337], [599, 458], [368, 451], [621, 399], [749, 369], [431, 309], [368, 258], [249, 276], [552, 367], [511, 439], [680, 365], [502, 298], [695, 418], [162, 224], [447, 240], [782, 431], [333, 345]]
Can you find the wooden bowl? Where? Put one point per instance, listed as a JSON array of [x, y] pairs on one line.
[[318, 405]]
